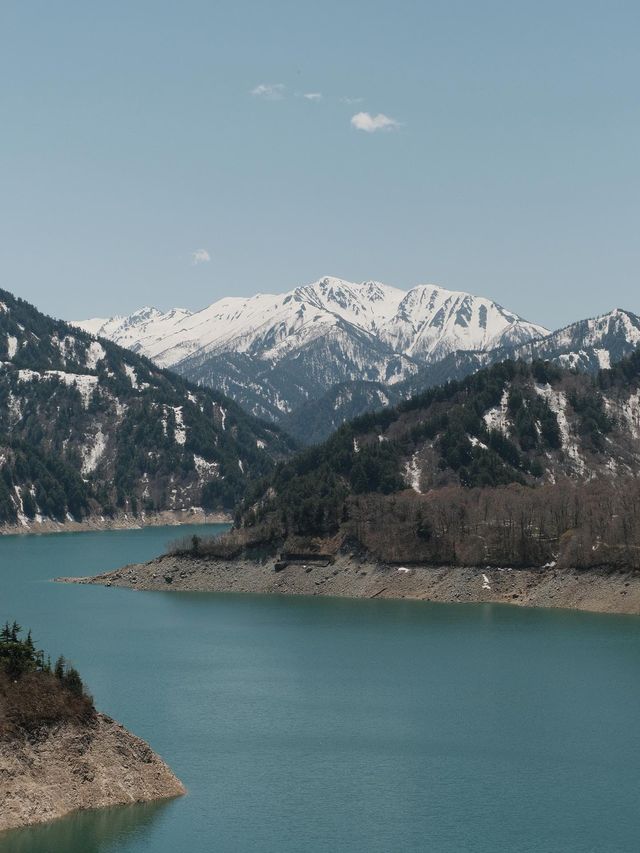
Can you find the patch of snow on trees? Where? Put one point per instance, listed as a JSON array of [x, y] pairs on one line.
[[557, 401], [93, 451], [180, 431], [497, 418], [413, 473]]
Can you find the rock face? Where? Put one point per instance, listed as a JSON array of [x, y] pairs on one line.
[[75, 766]]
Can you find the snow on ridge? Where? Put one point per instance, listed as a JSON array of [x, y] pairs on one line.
[[432, 322], [425, 321], [85, 383]]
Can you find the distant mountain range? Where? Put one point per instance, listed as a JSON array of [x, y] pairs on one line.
[[326, 352], [89, 428], [422, 324], [275, 353]]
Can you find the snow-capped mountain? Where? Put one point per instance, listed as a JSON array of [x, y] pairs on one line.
[[431, 322], [333, 349], [275, 352], [587, 346], [424, 323]]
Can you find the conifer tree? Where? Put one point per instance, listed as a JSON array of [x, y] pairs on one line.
[[59, 668], [73, 682]]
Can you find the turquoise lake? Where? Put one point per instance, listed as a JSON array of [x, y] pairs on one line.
[[329, 725]]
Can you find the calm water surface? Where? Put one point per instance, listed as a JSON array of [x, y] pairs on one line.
[[333, 725]]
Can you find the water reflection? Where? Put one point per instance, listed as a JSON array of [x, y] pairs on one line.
[[95, 831]]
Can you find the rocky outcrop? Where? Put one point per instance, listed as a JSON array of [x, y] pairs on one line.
[[48, 773]]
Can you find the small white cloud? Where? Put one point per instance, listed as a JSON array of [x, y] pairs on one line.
[[313, 96], [369, 123], [269, 91], [200, 256], [351, 100]]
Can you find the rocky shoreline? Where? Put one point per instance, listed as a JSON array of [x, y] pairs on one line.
[[73, 766], [123, 521], [354, 577]]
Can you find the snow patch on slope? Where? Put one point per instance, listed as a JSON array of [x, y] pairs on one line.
[[85, 383], [497, 418], [206, 470], [180, 430], [413, 473], [557, 401], [92, 452]]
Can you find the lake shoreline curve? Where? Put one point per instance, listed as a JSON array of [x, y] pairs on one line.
[[352, 576]]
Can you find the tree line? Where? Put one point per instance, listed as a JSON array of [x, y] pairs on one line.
[[33, 691]]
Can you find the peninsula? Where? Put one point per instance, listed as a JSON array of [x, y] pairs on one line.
[[57, 753]]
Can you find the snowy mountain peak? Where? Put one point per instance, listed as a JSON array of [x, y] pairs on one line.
[[425, 323], [279, 348], [366, 305], [431, 322], [147, 312]]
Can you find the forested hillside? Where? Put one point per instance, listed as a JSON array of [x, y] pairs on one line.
[[504, 435], [89, 428]]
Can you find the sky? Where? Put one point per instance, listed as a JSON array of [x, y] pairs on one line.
[[171, 153]]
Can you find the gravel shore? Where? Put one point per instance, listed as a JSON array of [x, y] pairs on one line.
[[353, 577]]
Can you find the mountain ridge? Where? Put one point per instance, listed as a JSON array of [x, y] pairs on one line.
[[274, 353], [425, 319], [90, 428], [404, 342]]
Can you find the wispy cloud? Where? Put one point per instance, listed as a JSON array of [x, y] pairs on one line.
[[269, 91], [369, 123], [351, 100], [313, 96], [200, 256]]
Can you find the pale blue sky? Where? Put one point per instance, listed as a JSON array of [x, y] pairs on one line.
[[130, 140]]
